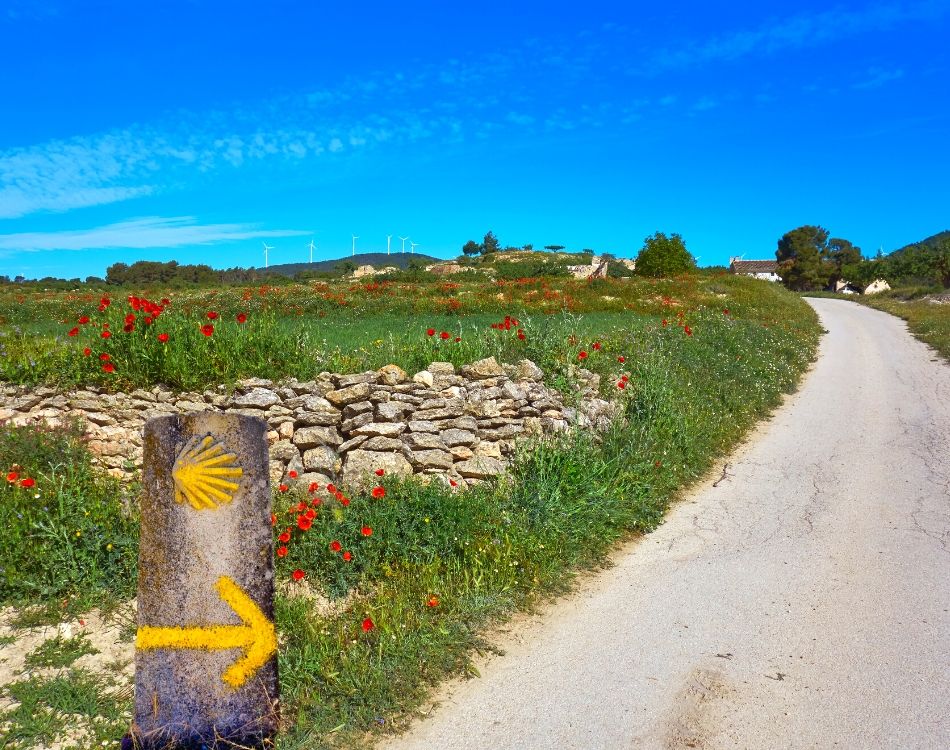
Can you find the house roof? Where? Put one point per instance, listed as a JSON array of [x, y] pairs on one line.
[[754, 266]]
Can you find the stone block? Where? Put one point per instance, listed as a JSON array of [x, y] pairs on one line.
[[311, 437], [349, 395], [360, 466], [480, 467]]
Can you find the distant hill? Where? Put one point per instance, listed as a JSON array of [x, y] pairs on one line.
[[377, 260], [930, 242]]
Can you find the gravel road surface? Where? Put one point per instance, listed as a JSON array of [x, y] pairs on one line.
[[801, 603]]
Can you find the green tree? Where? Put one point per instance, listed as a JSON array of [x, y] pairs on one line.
[[471, 248], [802, 258], [664, 256], [554, 248], [489, 244]]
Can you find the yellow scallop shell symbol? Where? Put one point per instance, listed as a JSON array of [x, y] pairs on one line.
[[203, 472]]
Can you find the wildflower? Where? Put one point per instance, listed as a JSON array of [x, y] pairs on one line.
[[725, 311], [457, 339], [212, 315], [657, 464], [163, 337], [687, 330], [313, 487], [624, 377], [105, 357], [344, 501], [347, 556], [284, 537], [166, 301], [621, 384], [207, 329], [379, 492], [433, 601], [283, 488], [366, 531], [331, 488], [335, 546], [128, 327], [368, 624], [73, 332], [304, 523], [130, 318], [582, 355], [148, 320], [108, 367], [105, 334], [298, 575], [444, 335], [317, 501], [83, 319], [311, 514], [281, 551], [27, 483], [273, 519], [86, 352], [621, 359], [105, 302], [430, 332], [664, 322], [301, 506], [521, 335], [12, 477], [596, 346], [241, 318], [292, 474], [454, 484], [380, 472]]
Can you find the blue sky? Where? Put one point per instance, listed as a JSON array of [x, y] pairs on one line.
[[196, 130]]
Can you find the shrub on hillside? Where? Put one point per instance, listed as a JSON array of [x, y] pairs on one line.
[[664, 256]]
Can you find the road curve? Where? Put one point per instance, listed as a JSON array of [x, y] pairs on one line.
[[801, 603]]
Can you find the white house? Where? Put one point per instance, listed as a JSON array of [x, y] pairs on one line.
[[760, 269], [876, 286]]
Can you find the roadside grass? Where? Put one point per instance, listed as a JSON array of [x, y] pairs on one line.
[[927, 318], [364, 639], [57, 652]]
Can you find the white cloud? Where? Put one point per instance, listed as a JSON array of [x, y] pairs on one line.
[[877, 77], [146, 232]]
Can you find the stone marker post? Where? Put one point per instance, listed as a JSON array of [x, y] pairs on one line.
[[205, 660]]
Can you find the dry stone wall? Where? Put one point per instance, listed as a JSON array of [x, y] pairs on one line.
[[460, 426]]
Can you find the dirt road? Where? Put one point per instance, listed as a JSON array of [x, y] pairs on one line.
[[801, 603]]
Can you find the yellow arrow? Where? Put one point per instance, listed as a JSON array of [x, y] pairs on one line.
[[256, 636]]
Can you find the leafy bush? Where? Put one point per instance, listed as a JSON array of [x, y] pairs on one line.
[[65, 530], [664, 257]]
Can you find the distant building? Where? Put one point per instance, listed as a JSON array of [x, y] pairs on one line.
[[841, 286], [879, 285], [759, 269]]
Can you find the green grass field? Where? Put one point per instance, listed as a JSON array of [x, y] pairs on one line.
[[365, 639]]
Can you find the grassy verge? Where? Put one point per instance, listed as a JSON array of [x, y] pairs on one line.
[[396, 586]]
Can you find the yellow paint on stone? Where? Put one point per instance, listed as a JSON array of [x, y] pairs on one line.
[[203, 473], [256, 636]]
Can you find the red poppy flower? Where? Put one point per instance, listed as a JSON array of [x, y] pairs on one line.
[[83, 319], [281, 551], [105, 325], [105, 302], [207, 329], [664, 321], [105, 356], [430, 332], [283, 488], [105, 334], [433, 601], [166, 301], [292, 474], [108, 367], [311, 514], [380, 472], [687, 330], [317, 501], [725, 311], [28, 482], [130, 318], [582, 355], [366, 531], [12, 477], [241, 318], [128, 327], [313, 487], [457, 339], [368, 624], [298, 575], [347, 556], [379, 492], [624, 377], [331, 488], [444, 335], [302, 505], [212, 315], [621, 359], [163, 337], [304, 523], [87, 351], [284, 537], [596, 346], [73, 332], [148, 320], [335, 546], [521, 335], [453, 483], [657, 464], [344, 501], [273, 519], [621, 384]]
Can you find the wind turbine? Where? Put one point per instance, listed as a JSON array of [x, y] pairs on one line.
[[404, 243], [266, 248], [412, 247], [355, 238], [389, 238], [311, 246]]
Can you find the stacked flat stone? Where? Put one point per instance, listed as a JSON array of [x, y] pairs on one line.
[[460, 425]]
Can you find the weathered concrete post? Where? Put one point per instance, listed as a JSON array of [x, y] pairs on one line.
[[205, 664]]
